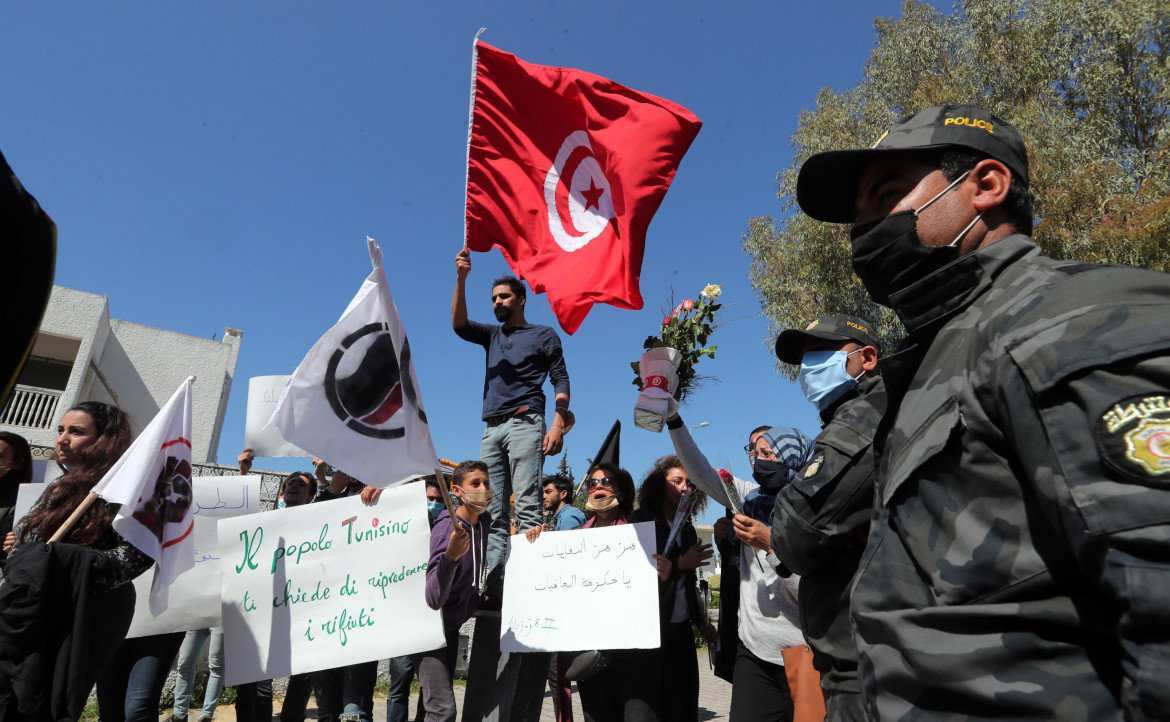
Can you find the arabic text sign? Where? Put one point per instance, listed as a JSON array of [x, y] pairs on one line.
[[325, 585], [555, 587], [193, 599], [263, 393]]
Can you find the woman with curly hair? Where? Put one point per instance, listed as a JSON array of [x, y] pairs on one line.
[[66, 607], [658, 501], [626, 690]]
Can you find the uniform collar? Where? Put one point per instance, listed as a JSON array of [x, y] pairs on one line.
[[862, 388], [925, 305]]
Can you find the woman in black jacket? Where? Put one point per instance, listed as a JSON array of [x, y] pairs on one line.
[[679, 607]]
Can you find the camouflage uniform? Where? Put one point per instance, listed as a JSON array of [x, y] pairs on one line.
[[1018, 564], [819, 528]]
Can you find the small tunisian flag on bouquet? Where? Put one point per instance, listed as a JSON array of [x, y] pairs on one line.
[[564, 171], [152, 482]]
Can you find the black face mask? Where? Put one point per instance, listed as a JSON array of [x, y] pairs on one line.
[[888, 256], [770, 475]]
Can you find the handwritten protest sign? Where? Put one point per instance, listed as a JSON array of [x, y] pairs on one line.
[[555, 588], [325, 585], [193, 600], [263, 393]]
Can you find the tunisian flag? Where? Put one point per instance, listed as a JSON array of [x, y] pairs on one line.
[[565, 169]]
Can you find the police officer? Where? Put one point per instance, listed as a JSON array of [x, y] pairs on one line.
[[821, 519], [1017, 565]]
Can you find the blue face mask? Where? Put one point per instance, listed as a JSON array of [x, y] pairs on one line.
[[434, 508], [823, 377], [280, 504]]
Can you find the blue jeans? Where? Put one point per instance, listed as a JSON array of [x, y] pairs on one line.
[[514, 454], [188, 658], [129, 689]]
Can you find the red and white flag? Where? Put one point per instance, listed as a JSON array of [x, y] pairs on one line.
[[565, 169], [152, 482]]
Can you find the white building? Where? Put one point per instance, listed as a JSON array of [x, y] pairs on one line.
[[81, 354]]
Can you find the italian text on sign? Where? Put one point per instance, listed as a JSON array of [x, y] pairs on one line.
[[325, 585]]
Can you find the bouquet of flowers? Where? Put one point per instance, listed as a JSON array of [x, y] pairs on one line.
[[686, 330]]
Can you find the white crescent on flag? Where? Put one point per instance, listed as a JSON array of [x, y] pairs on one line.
[[579, 210]]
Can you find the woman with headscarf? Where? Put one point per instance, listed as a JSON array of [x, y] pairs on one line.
[[768, 612]]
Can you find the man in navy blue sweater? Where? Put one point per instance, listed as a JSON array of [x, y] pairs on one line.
[[520, 356]]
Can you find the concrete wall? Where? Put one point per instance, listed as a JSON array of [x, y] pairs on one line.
[[138, 367], [144, 366]]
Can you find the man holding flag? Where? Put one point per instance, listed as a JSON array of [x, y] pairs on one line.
[[520, 356]]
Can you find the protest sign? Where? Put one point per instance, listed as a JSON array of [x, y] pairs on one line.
[[326, 585], [26, 496], [263, 393], [555, 587], [194, 597]]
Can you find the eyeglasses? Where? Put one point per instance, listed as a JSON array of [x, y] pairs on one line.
[[607, 481]]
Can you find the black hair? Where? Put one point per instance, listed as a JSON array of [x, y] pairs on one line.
[[64, 495], [466, 468], [956, 161], [652, 493], [431, 481], [562, 483], [20, 454], [513, 283], [309, 479], [625, 485], [757, 430]]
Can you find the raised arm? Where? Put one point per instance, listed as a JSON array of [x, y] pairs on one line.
[[459, 300], [703, 475]]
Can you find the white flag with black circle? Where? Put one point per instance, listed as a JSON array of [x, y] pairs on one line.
[[354, 399], [152, 482]]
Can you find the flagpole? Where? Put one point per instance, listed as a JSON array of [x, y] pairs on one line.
[[470, 120], [442, 479], [85, 504]]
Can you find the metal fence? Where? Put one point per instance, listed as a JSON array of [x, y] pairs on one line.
[[269, 480], [32, 407]]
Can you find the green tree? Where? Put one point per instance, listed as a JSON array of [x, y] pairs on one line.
[[563, 468], [1084, 82]]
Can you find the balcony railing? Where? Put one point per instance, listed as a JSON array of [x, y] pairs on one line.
[[32, 407]]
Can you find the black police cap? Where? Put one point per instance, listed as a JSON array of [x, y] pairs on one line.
[[826, 187], [790, 343]]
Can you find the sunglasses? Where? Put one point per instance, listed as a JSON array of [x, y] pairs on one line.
[[607, 481]]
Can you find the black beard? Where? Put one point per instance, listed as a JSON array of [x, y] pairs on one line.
[[503, 313]]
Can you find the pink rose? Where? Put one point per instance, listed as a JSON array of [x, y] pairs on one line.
[[666, 320], [688, 305]]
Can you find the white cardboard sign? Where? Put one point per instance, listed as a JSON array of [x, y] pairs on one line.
[[326, 585], [558, 587], [193, 598], [263, 393]]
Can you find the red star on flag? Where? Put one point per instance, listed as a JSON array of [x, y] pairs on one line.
[[593, 196]]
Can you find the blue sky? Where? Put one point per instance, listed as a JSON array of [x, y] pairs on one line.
[[220, 164]]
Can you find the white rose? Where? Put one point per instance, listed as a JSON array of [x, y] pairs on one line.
[[712, 291]]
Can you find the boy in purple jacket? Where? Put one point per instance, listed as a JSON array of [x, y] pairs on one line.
[[455, 578]]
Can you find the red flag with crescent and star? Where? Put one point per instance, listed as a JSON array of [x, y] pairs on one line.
[[565, 169]]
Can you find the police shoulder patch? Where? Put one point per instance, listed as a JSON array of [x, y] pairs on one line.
[[814, 466], [1133, 436]]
